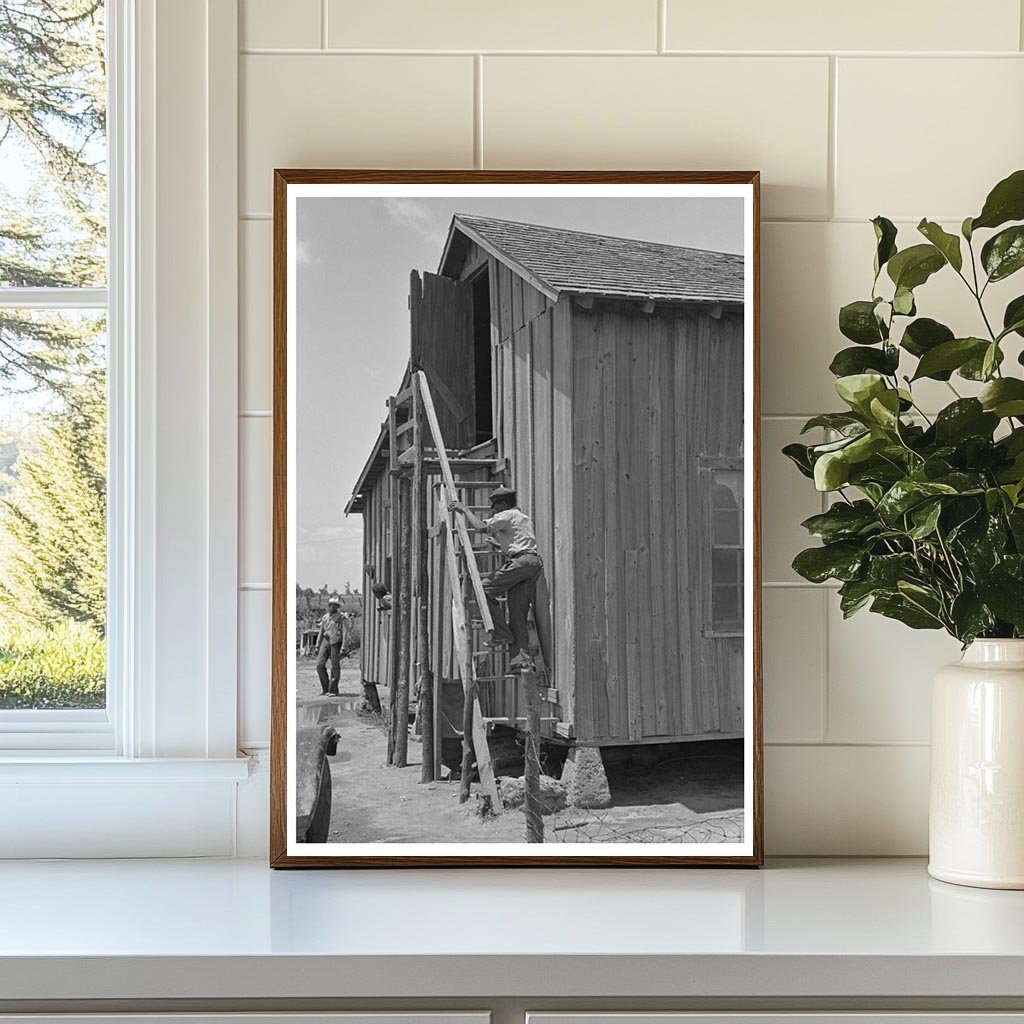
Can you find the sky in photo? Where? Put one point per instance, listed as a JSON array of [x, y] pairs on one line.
[[354, 258]]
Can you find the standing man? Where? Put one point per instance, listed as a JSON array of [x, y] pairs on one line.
[[513, 530], [329, 639]]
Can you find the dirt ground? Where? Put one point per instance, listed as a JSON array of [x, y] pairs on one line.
[[686, 793]]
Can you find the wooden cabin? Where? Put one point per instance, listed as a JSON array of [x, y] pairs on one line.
[[603, 378]]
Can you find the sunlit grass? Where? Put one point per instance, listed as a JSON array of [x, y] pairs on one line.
[[60, 667]]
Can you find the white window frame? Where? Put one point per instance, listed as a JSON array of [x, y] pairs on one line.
[[169, 735], [92, 729]]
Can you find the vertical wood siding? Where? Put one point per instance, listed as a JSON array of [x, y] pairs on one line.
[[375, 653], [651, 395]]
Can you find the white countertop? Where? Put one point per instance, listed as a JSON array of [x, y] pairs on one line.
[[234, 929]]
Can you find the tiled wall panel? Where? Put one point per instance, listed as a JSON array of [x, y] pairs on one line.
[[921, 121], [472, 25]]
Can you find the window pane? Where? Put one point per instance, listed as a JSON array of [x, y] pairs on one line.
[[725, 606], [725, 565], [53, 149], [52, 509], [726, 525]]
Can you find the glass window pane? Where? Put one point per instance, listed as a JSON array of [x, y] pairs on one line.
[[725, 565], [725, 607], [726, 524], [52, 509], [53, 149]]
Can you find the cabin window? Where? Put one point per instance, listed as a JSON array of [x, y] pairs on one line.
[[482, 355], [724, 483]]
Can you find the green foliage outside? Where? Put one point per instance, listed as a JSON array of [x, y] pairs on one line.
[[927, 525], [52, 365]]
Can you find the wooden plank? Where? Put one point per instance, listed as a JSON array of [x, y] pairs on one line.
[[543, 512], [505, 301], [452, 493], [534, 302], [400, 694], [671, 626], [393, 581], [421, 594], [633, 683], [660, 678], [685, 468], [517, 302], [563, 592], [616, 492], [522, 470]]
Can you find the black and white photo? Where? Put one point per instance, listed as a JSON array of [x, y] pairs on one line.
[[515, 597]]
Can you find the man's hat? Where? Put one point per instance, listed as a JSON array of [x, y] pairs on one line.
[[334, 599], [503, 494]]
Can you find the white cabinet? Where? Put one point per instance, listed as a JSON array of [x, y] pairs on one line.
[[786, 1017], [361, 1017]]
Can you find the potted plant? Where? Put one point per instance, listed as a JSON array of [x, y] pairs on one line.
[[926, 521]]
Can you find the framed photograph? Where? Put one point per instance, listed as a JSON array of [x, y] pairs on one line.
[[516, 615]]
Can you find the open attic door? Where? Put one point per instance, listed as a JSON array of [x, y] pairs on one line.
[[441, 311]]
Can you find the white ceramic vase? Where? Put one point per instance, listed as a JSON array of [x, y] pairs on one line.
[[976, 816]]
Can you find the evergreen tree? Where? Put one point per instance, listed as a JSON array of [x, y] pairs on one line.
[[52, 126], [53, 520]]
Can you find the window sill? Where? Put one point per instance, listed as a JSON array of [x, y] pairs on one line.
[[78, 767]]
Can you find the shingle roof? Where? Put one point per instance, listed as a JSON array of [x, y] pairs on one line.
[[579, 262]]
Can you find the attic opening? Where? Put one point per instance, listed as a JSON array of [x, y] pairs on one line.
[[480, 283]]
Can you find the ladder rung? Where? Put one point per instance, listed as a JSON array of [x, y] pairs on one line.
[[403, 427], [476, 483]]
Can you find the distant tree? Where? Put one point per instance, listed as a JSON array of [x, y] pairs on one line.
[[52, 124], [53, 520]]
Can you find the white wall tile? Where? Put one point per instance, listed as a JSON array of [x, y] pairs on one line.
[[961, 130], [254, 611], [692, 113], [794, 663], [255, 510], [868, 25], [256, 299], [846, 801], [471, 25], [880, 676], [358, 111], [787, 499], [808, 272], [261, 25]]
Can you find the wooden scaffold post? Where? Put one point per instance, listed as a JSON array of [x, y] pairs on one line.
[[393, 580], [531, 773], [421, 589]]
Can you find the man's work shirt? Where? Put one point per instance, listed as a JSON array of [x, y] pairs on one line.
[[513, 530], [333, 628]]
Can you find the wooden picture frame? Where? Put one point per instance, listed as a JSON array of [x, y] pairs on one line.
[[435, 415]]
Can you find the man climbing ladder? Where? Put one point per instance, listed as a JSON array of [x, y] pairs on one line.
[[516, 578]]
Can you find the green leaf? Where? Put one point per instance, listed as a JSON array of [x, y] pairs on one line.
[[885, 237], [1005, 597], [887, 570], [800, 456], [849, 361], [831, 471], [965, 229], [857, 321], [897, 607], [1004, 397], [903, 302], [947, 244], [970, 617], [840, 561], [911, 267], [949, 355], [906, 494], [841, 421], [842, 521], [885, 409], [854, 594], [1013, 316], [858, 389], [966, 417], [925, 518], [1003, 254], [974, 368], [923, 335], [991, 360], [1005, 202]]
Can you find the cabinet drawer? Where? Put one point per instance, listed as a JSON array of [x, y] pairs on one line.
[[360, 1017], [852, 1017]]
